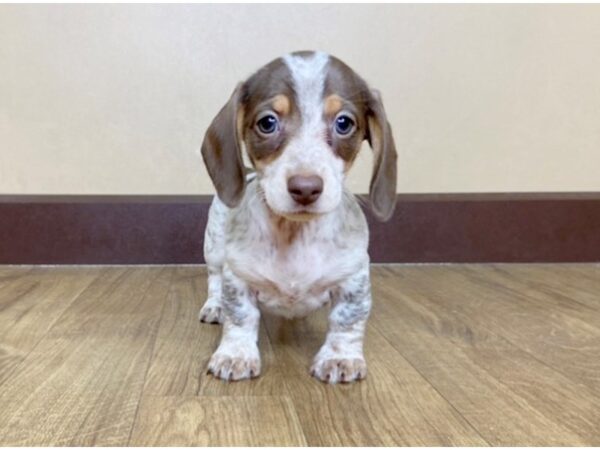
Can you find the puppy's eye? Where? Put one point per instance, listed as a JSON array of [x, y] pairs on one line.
[[344, 124], [267, 124]]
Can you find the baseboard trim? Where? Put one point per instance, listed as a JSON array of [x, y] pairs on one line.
[[426, 228]]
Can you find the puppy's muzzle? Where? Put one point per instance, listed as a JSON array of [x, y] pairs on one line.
[[305, 189]]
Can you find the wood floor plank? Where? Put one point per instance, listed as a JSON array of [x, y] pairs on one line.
[[458, 355], [533, 322], [184, 346], [571, 287], [480, 372], [31, 301], [81, 384], [8, 274], [178, 354], [217, 421], [393, 406], [521, 284]]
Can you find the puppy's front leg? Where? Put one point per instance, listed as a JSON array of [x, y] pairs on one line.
[[341, 359], [237, 356]]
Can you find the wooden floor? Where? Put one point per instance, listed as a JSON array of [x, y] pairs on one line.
[[458, 355]]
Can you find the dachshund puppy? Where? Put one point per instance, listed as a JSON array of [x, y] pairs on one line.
[[290, 238]]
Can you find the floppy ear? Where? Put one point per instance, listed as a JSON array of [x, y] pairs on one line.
[[222, 151], [382, 191]]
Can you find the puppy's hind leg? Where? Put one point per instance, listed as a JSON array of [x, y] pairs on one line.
[[214, 255], [212, 311]]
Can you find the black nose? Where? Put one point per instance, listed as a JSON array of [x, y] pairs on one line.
[[305, 189]]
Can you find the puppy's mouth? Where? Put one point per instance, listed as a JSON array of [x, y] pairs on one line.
[[300, 215]]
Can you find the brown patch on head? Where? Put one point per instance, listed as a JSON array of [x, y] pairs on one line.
[[270, 88], [304, 53], [371, 123], [345, 90], [333, 105], [281, 105], [264, 161]]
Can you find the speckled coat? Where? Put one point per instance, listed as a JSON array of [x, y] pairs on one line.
[[265, 251]]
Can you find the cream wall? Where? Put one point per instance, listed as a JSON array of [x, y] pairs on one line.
[[115, 98]]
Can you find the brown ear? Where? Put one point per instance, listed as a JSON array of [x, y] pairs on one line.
[[222, 151], [382, 191]]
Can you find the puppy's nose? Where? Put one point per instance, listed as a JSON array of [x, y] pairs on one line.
[[305, 189]]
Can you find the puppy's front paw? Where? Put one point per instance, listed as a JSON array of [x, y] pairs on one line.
[[211, 312], [339, 370], [235, 366]]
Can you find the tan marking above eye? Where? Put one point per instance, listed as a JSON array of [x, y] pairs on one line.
[[281, 105], [333, 105]]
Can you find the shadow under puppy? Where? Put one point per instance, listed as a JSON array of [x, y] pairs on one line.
[[290, 237]]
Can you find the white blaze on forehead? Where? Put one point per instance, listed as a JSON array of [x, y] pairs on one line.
[[308, 75], [307, 151]]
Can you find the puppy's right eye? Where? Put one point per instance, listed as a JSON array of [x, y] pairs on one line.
[[344, 125], [267, 124]]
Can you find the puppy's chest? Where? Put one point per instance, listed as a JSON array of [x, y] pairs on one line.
[[297, 281], [293, 268], [291, 274]]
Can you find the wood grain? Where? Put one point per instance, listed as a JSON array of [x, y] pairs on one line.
[[538, 322], [223, 421], [505, 393], [393, 406], [182, 347], [31, 301], [458, 355], [575, 290], [81, 384]]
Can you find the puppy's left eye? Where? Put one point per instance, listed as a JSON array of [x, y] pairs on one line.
[[267, 124], [344, 124]]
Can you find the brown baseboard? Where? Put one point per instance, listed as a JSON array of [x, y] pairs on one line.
[[426, 228]]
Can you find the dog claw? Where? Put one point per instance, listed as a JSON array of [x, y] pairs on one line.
[[234, 368], [210, 314], [339, 370]]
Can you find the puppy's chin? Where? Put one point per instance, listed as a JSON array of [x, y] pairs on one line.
[[297, 213], [301, 216], [297, 216]]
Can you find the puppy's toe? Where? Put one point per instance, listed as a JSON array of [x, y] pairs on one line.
[[234, 368], [339, 370], [242, 368], [351, 370], [211, 313]]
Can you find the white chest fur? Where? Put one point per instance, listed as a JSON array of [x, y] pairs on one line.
[[293, 266]]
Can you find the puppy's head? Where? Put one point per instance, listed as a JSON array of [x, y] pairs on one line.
[[302, 119]]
